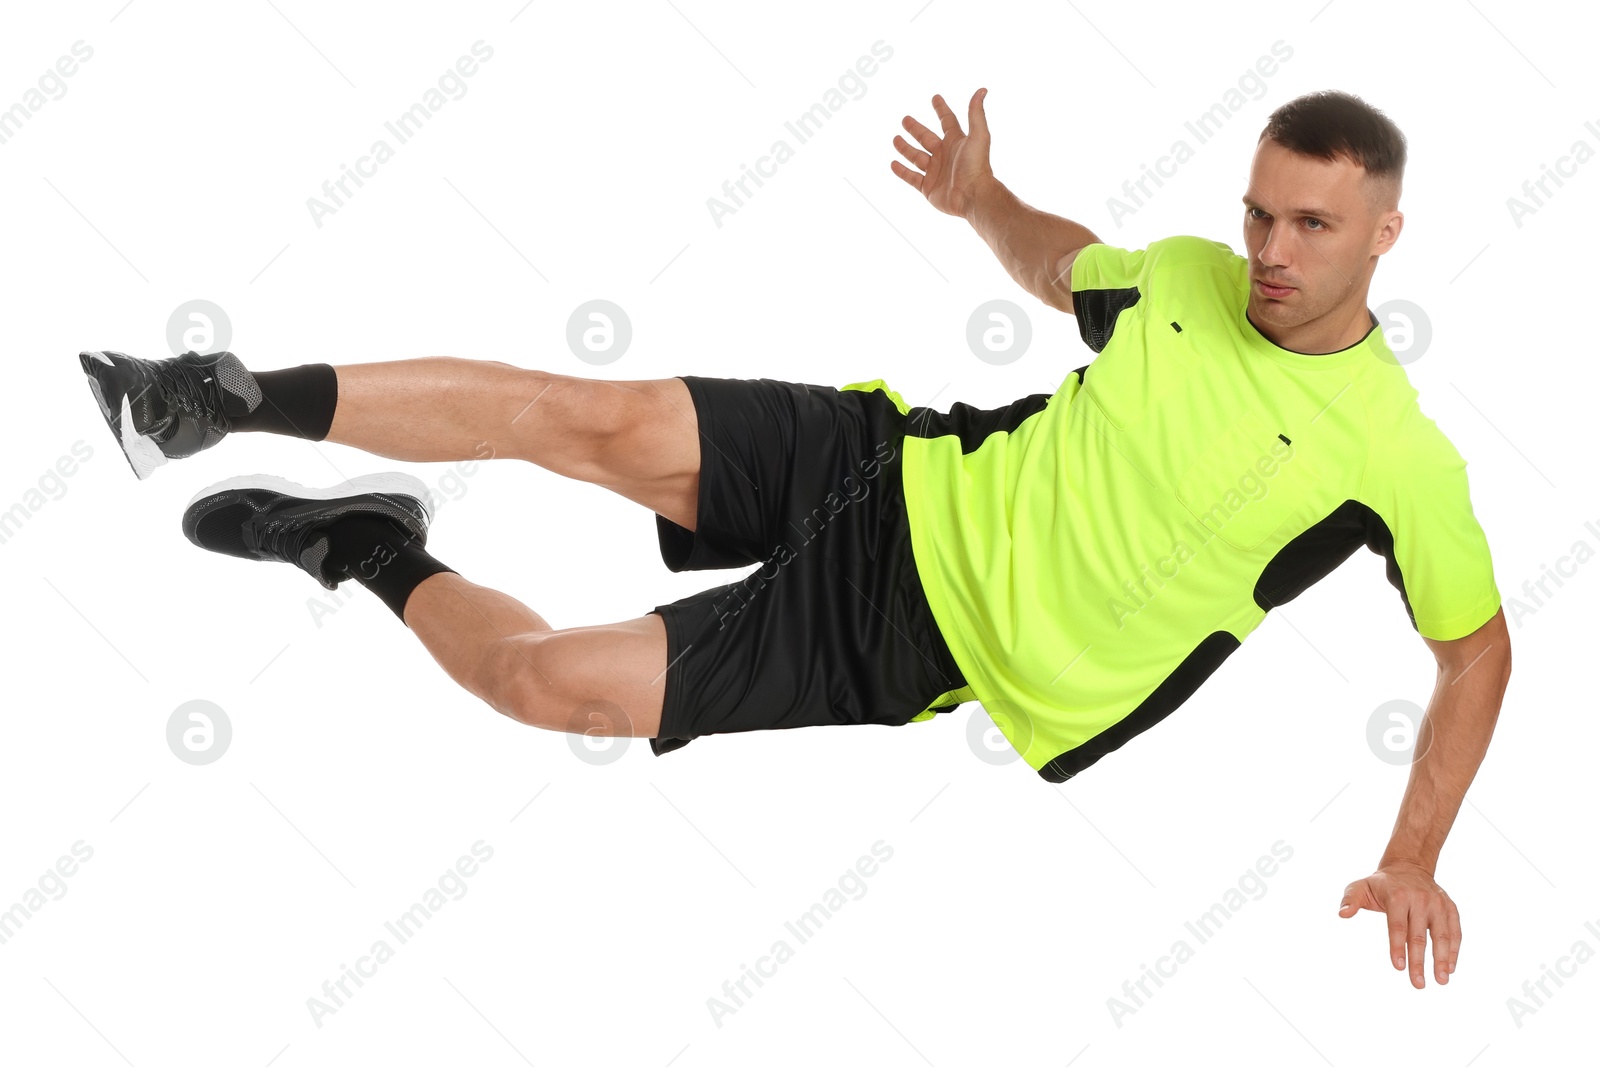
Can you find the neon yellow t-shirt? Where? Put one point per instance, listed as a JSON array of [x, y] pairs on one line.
[[1092, 556]]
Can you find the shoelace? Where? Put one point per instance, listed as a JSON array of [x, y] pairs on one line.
[[194, 387], [280, 538]]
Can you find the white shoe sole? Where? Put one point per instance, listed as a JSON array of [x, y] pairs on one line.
[[144, 454], [393, 483]]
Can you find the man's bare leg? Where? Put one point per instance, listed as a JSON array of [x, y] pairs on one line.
[[637, 438]]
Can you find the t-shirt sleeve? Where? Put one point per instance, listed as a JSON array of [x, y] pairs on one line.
[[1103, 266], [1107, 280], [1436, 552]]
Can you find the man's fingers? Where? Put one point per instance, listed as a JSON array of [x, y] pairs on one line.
[[920, 159], [1356, 897], [1455, 934], [947, 118], [1439, 930], [909, 176], [1397, 938], [1417, 940], [925, 137], [976, 120]]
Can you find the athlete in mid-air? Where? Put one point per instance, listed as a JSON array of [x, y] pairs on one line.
[[1078, 563]]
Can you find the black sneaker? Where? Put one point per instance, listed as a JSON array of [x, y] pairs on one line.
[[161, 409], [262, 517]]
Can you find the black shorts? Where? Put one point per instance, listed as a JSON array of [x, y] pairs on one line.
[[832, 627]]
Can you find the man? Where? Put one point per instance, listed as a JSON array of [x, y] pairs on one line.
[[1078, 563]]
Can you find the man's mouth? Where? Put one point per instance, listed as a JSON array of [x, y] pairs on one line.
[[1274, 291]]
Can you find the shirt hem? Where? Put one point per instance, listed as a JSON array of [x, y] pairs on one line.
[[1463, 624]]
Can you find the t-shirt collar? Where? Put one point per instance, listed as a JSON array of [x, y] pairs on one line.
[[1373, 345]]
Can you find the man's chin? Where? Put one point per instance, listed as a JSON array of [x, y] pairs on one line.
[[1263, 309]]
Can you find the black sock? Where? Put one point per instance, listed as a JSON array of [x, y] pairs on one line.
[[297, 401], [381, 557]]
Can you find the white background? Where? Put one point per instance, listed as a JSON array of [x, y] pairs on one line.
[[219, 898]]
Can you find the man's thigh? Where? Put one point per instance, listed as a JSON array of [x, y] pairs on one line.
[[814, 642], [772, 453]]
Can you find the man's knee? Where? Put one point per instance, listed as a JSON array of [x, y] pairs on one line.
[[650, 434], [579, 426]]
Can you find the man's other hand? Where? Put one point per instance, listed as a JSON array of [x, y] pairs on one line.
[[1415, 906]]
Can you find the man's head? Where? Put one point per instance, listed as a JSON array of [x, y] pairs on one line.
[[1321, 204]]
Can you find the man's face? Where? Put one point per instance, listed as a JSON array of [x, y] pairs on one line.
[[1309, 226]]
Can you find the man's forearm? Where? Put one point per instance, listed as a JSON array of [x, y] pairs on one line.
[[1028, 242], [1452, 740]]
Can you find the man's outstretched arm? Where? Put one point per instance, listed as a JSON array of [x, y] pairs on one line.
[[953, 173], [1450, 745], [1034, 246]]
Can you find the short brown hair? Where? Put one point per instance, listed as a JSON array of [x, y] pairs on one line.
[[1329, 124]]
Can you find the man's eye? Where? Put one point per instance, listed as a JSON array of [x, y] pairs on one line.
[[1318, 222]]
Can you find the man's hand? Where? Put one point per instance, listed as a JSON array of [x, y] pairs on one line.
[[953, 166], [1415, 906], [954, 175]]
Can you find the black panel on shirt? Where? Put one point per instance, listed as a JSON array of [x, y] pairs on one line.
[[972, 425], [1298, 566], [1313, 555], [1097, 311], [1177, 687]]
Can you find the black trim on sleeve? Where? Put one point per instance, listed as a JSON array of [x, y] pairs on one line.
[[1097, 311], [1314, 554]]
